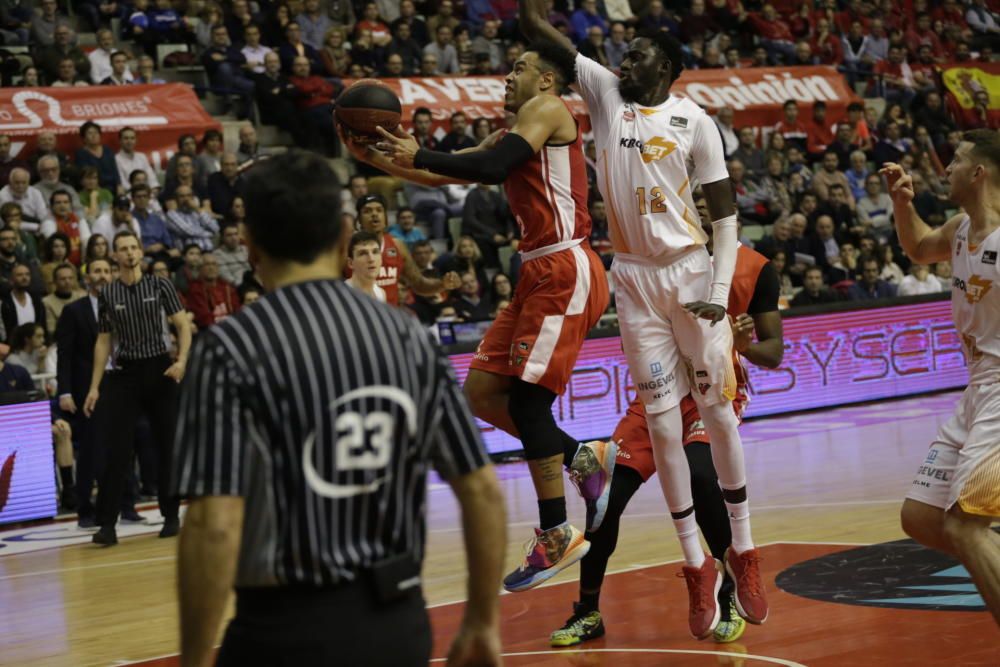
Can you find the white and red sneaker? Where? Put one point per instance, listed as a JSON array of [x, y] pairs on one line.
[[703, 584]]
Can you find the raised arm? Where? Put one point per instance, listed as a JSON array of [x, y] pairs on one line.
[[534, 23], [922, 243]]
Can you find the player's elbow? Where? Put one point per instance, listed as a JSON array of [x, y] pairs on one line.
[[494, 174]]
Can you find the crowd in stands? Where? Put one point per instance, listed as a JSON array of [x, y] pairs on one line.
[[807, 189]]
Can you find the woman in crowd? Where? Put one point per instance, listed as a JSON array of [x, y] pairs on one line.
[[96, 200], [780, 264], [210, 159], [501, 289], [97, 248], [237, 212], [187, 144], [481, 128], [463, 47], [891, 273], [96, 154], [29, 77], [54, 252], [334, 55], [27, 348], [210, 16], [467, 257], [896, 112]]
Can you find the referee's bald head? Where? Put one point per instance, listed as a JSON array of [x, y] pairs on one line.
[[293, 207]]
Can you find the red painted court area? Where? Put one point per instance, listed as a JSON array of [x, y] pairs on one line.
[[645, 614]]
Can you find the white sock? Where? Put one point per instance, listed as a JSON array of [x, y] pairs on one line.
[[739, 523], [687, 533]]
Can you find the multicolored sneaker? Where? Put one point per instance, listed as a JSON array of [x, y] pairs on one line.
[[591, 471], [703, 584], [731, 626], [582, 626], [750, 600], [548, 553]]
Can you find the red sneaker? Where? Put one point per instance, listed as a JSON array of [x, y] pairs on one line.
[[744, 568], [703, 585]]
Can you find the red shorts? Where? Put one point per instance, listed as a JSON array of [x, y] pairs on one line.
[[538, 337], [635, 450]]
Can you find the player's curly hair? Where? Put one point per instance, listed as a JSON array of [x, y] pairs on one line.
[[669, 47], [559, 58]]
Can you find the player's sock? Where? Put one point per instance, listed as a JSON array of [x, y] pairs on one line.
[[589, 600], [570, 447], [66, 476], [552, 512], [739, 517], [687, 533]]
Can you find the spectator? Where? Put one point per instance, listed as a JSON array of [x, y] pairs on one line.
[[364, 261], [844, 218], [856, 49], [64, 221], [95, 199], [224, 64], [773, 32], [231, 256], [891, 147], [49, 59], [26, 246], [276, 100], [28, 349], [68, 75], [814, 291], [826, 43], [9, 162], [778, 199], [393, 67], [118, 219], [225, 185], [942, 272], [466, 258], [749, 155], [253, 51], [469, 305], [185, 176], [100, 12], [585, 18], [405, 228], [432, 205], [857, 175], [488, 42], [188, 273], [373, 23], [795, 132], [779, 240], [891, 273], [294, 47], [919, 281], [724, 121], [829, 176], [48, 170], [895, 78], [67, 290], [314, 24], [97, 248], [445, 16], [146, 71], [188, 225], [15, 378], [128, 159], [33, 206], [928, 206], [10, 257], [335, 55], [487, 219], [501, 289], [96, 154], [983, 23], [100, 58], [861, 134], [357, 188], [932, 115], [981, 115], [615, 45], [600, 236], [408, 16], [593, 46], [875, 209], [365, 59], [315, 103], [249, 148], [752, 201], [824, 246], [443, 51], [47, 23], [820, 136], [780, 264], [240, 20], [21, 305], [870, 286], [210, 297], [457, 138]]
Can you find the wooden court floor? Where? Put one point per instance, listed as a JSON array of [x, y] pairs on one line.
[[823, 486]]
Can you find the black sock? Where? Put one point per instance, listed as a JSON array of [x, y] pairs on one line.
[[552, 512], [570, 445], [589, 601], [66, 476]]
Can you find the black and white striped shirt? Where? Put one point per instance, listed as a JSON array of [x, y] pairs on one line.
[[133, 314], [324, 409]]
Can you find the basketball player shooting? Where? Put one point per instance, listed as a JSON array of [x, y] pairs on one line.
[[527, 356], [669, 300], [956, 492]]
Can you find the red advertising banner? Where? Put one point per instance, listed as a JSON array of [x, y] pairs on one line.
[[756, 95], [159, 113]]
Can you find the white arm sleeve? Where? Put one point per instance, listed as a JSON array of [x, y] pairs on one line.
[[593, 81], [725, 244]]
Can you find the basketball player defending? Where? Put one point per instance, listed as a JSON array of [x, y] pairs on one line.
[[753, 308], [364, 259], [668, 297], [526, 358], [956, 493]]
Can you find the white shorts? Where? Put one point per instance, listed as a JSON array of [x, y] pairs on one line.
[[670, 352], [963, 464]]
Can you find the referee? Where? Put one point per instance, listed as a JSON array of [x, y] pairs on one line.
[[308, 422], [143, 379]]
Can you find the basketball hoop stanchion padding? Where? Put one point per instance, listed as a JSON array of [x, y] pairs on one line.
[[365, 106]]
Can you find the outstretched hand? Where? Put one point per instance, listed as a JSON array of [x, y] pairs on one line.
[[707, 311], [900, 183], [399, 146]]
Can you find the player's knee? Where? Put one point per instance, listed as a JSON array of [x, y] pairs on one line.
[[719, 416], [530, 408], [920, 521], [483, 394]]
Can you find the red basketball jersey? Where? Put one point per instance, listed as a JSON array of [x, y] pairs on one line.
[[548, 196], [392, 268]]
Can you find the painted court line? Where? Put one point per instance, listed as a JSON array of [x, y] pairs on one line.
[[743, 656]]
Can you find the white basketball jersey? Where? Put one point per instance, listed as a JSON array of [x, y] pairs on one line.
[[975, 302], [649, 159]]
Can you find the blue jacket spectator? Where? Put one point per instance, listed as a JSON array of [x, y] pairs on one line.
[[585, 18]]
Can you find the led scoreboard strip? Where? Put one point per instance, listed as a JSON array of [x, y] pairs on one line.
[[832, 358]]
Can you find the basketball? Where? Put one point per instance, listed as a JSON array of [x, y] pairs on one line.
[[366, 105]]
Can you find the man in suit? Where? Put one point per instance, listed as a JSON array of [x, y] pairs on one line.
[[76, 335], [20, 305]]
